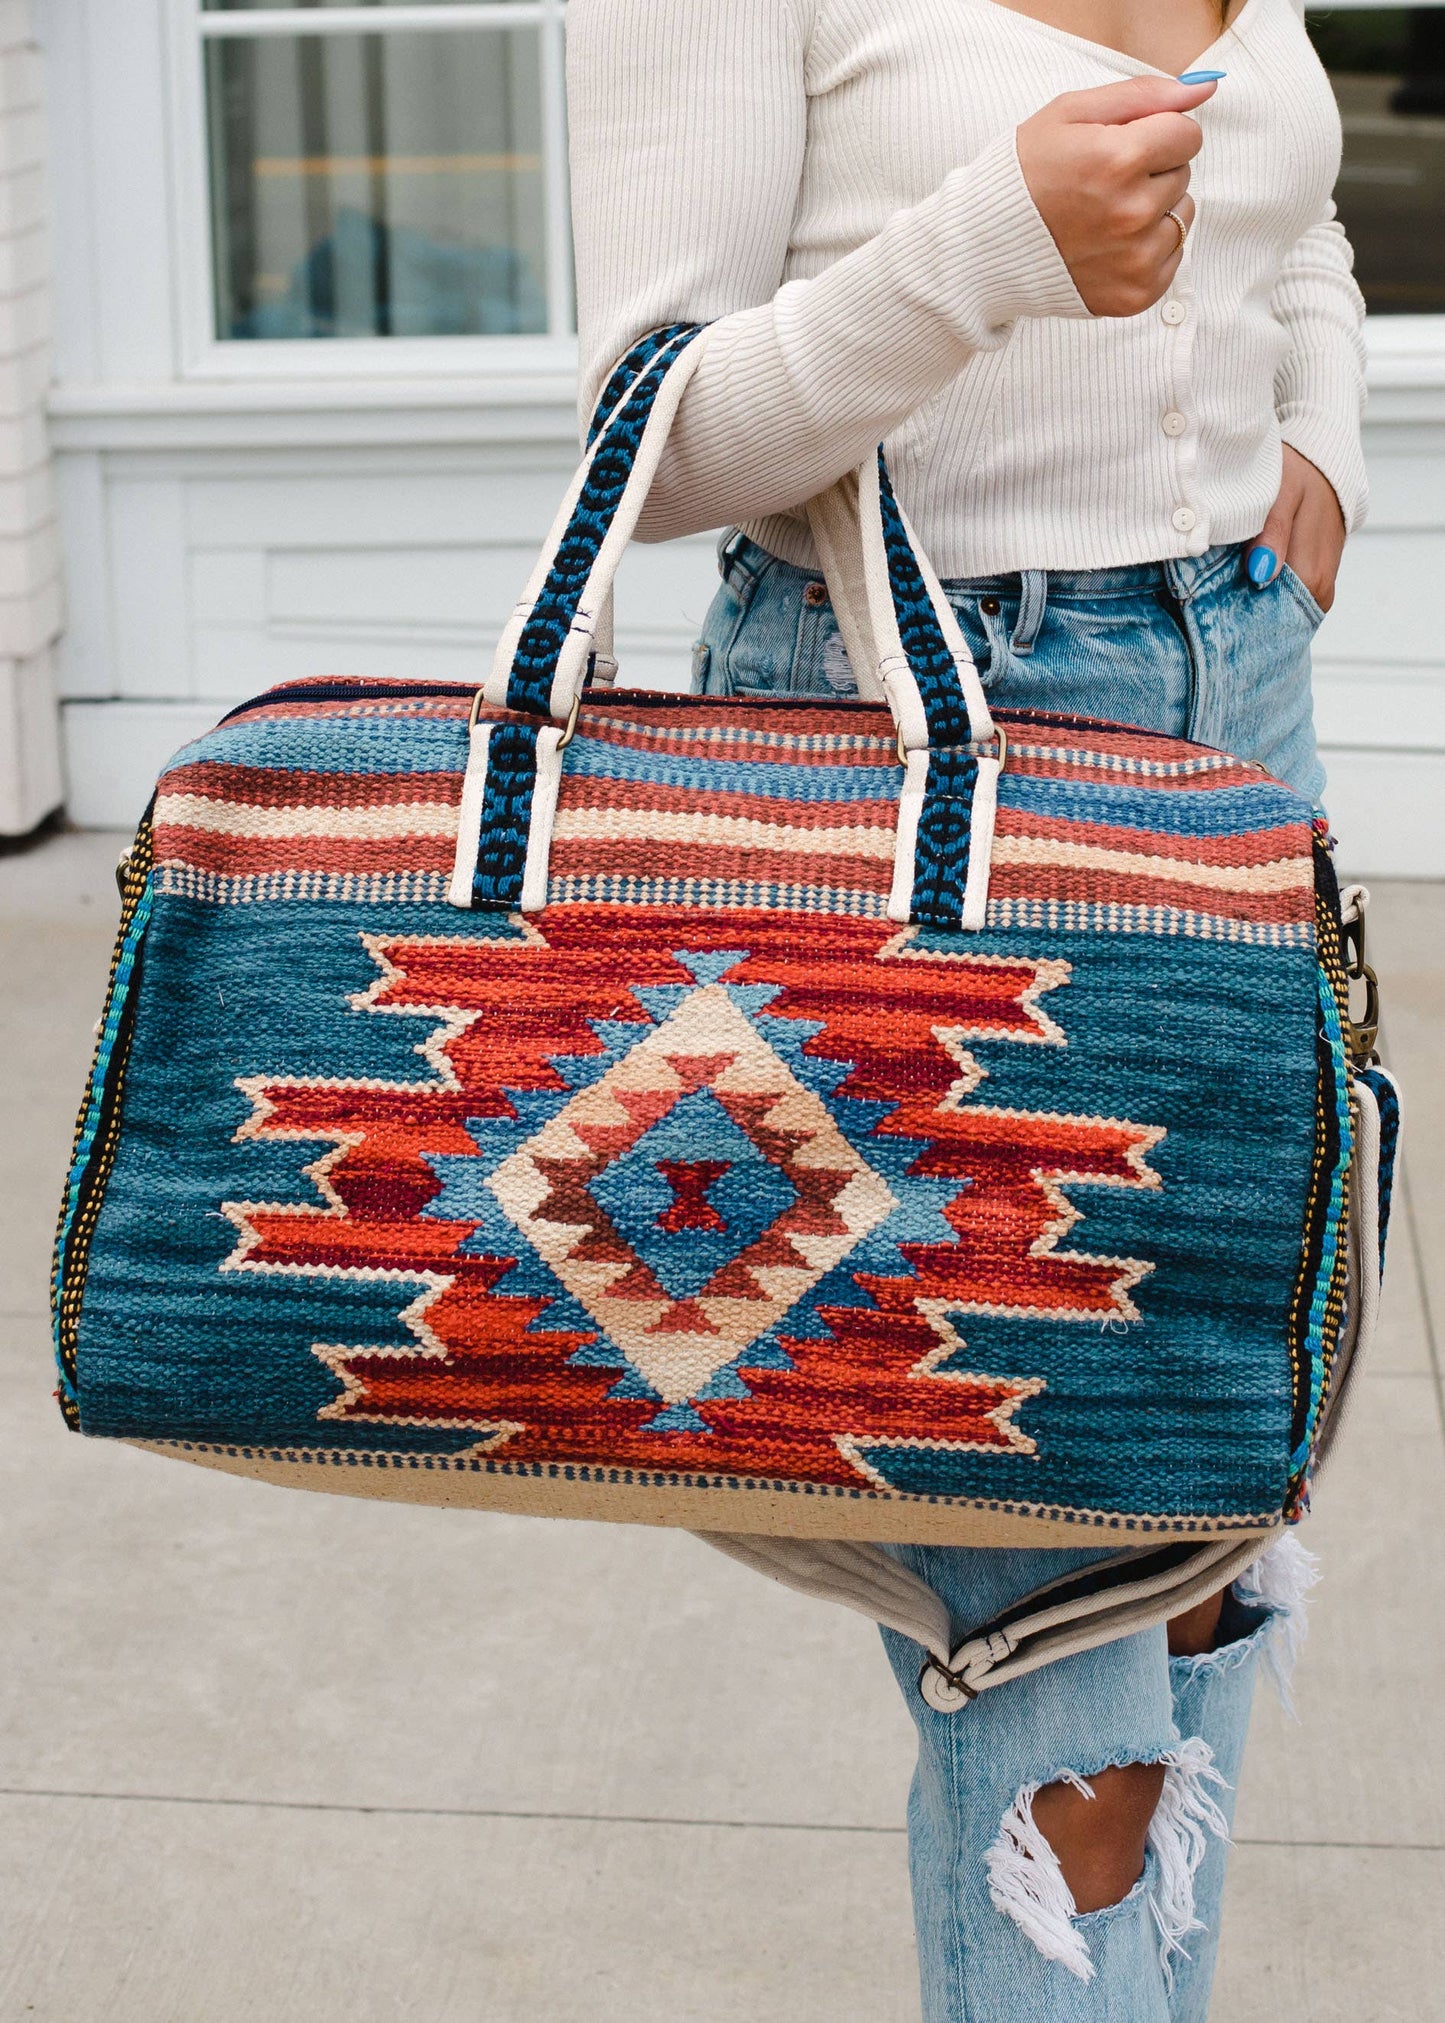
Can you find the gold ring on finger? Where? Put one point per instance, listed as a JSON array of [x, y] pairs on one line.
[[1180, 225]]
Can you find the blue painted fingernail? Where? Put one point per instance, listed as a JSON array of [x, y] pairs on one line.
[[1261, 563], [1202, 76]]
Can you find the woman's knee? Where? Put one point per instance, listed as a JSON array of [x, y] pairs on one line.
[[1070, 1848], [1099, 1830]]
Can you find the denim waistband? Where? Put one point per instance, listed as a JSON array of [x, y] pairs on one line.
[[739, 556]]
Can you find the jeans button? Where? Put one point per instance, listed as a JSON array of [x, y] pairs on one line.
[[990, 606], [815, 594]]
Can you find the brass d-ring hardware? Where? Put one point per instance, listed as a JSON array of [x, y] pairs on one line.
[[568, 734], [571, 730], [998, 733]]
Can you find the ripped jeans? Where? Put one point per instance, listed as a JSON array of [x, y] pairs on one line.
[[1189, 648], [998, 1937]]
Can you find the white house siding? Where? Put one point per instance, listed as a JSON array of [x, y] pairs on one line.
[[223, 532], [30, 785]]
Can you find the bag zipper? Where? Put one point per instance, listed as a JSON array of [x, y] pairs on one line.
[[358, 690]]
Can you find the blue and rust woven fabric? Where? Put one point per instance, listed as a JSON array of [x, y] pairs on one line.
[[707, 1193], [761, 1117]]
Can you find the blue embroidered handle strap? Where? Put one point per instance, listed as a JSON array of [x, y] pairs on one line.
[[910, 645], [629, 369], [932, 661], [541, 660]]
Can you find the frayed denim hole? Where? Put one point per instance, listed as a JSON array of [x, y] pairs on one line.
[[1026, 1881], [1280, 1582], [1243, 1644], [1090, 1922]]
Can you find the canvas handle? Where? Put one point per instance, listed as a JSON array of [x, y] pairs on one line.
[[901, 633], [883, 590]]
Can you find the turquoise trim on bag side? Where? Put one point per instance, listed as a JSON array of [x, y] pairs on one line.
[[92, 1153], [1324, 1312]]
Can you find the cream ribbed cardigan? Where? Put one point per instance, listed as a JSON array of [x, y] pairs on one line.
[[837, 181]]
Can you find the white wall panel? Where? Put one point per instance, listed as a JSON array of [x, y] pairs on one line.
[[1388, 810], [233, 662], [132, 261], [374, 500], [1388, 609], [228, 586], [113, 752], [85, 652], [61, 25], [148, 566], [419, 587]]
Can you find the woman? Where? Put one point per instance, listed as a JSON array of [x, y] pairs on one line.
[[1102, 316]]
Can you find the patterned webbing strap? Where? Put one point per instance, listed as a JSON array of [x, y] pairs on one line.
[[946, 804], [928, 653], [1382, 1086], [941, 832], [629, 367], [614, 451], [510, 782]]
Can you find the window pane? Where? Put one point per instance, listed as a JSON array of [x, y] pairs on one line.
[[1388, 69], [377, 185]]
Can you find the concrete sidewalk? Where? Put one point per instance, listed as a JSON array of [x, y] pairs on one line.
[[267, 1757]]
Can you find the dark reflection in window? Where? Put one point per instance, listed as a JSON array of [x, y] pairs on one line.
[[1387, 65], [377, 185]]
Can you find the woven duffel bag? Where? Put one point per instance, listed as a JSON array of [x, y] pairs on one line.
[[810, 1123]]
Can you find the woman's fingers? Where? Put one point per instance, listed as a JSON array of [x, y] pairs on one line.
[[1171, 240], [1168, 140], [1104, 167], [1305, 528], [1171, 192], [1129, 101], [1271, 546]]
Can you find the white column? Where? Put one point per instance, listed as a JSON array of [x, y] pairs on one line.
[[30, 599]]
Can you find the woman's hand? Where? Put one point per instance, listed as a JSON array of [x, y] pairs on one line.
[[1305, 528], [1104, 167]]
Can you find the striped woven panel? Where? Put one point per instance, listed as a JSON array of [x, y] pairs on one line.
[[723, 805]]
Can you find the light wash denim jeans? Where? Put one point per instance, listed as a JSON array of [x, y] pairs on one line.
[[1189, 648]]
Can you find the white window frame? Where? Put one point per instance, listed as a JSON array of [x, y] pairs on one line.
[[1407, 347], [205, 356], [1405, 351]]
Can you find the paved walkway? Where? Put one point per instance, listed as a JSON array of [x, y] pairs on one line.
[[268, 1757]]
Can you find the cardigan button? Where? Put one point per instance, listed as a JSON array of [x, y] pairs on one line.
[[1173, 423], [1184, 519], [1173, 312]]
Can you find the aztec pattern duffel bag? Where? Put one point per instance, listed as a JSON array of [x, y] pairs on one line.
[[834, 1121]]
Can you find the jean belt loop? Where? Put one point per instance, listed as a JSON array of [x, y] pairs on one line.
[[731, 566], [1033, 602]]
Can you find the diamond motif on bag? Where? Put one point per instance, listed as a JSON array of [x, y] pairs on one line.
[[704, 1081]]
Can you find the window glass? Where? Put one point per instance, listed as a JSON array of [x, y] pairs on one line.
[[1387, 65], [383, 185]]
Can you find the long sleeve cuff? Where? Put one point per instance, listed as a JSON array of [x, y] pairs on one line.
[[1327, 431], [813, 379]]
